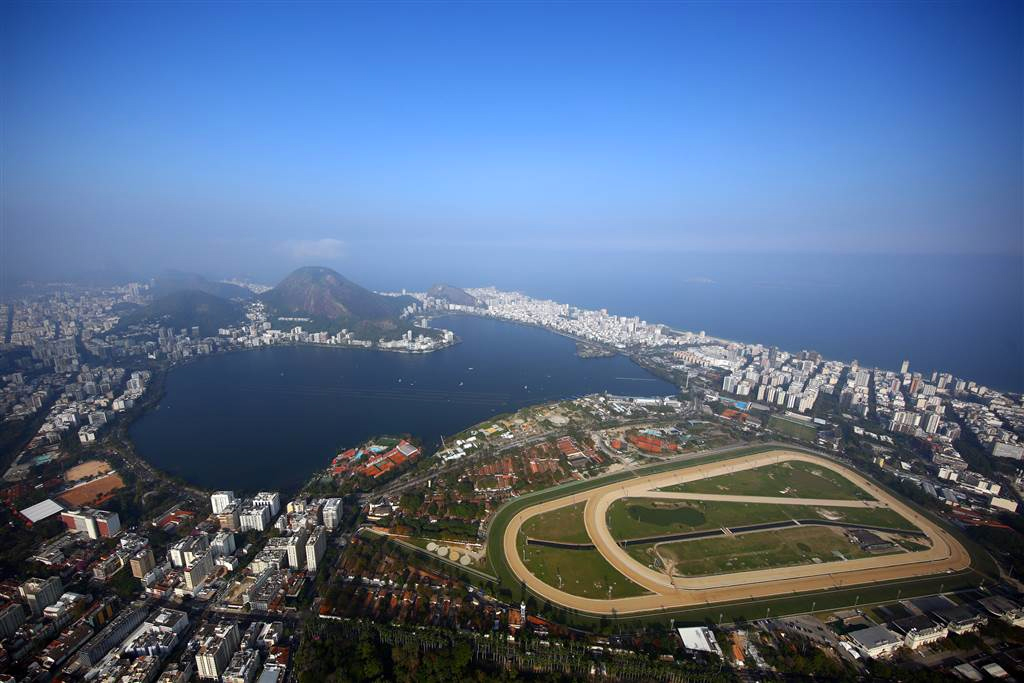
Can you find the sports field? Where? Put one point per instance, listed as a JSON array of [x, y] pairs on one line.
[[793, 428], [92, 492], [89, 468], [747, 538]]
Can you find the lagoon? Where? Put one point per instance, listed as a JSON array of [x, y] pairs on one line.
[[267, 419]]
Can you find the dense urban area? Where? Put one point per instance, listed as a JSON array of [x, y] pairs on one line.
[[380, 568]]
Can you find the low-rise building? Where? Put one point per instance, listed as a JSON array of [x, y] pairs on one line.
[[919, 630], [875, 641]]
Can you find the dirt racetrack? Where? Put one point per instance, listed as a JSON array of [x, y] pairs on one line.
[[668, 592]]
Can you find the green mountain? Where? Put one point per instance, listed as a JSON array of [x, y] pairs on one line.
[[186, 309], [175, 281], [334, 302], [454, 295]]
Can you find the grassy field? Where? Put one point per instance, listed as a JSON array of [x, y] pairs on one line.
[[582, 572], [792, 428], [762, 550], [789, 479], [640, 517], [564, 524]]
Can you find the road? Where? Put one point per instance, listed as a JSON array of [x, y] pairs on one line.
[[668, 592]]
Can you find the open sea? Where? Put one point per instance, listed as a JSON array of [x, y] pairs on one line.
[[962, 314]]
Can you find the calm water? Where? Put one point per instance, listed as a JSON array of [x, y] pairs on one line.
[[269, 418]]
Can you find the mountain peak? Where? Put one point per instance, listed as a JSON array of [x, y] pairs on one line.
[[334, 301]]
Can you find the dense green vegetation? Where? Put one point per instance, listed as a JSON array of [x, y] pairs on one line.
[[187, 309]]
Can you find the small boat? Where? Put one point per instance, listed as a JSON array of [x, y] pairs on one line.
[[460, 384]]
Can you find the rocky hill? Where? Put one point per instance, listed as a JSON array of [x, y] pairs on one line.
[[453, 295], [186, 309], [333, 302]]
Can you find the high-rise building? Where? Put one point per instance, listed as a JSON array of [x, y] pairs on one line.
[[316, 545], [197, 570], [223, 543], [272, 499], [297, 549], [11, 617], [94, 523], [217, 642], [142, 562], [230, 517], [41, 593], [220, 500], [256, 518], [905, 367], [183, 552], [332, 510]]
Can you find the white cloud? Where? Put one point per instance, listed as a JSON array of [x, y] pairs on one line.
[[325, 249]]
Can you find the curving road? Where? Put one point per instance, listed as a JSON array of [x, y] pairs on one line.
[[672, 592]]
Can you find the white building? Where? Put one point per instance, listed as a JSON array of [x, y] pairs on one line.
[[223, 543], [255, 518], [272, 499], [332, 510], [220, 500]]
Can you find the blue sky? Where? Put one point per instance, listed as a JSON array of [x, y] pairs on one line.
[[239, 138]]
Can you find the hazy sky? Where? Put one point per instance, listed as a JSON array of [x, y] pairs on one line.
[[243, 138]]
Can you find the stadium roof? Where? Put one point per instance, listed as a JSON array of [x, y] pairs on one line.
[[40, 511]]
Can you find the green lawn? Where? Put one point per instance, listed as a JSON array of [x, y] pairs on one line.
[[564, 524], [583, 572], [640, 517], [792, 479], [761, 550], [793, 428]]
